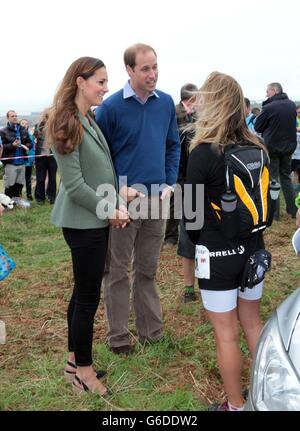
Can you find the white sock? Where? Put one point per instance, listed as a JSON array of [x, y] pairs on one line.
[[233, 408]]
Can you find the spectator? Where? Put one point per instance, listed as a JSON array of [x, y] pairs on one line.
[[139, 124], [298, 118], [185, 116], [277, 123], [298, 218], [255, 111], [29, 162], [16, 143], [296, 157], [295, 167], [250, 117], [45, 166]]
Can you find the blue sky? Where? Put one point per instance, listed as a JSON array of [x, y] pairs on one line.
[[256, 41]]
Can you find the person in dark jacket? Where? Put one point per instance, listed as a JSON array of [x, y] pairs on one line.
[[16, 143], [277, 124], [185, 115], [45, 166], [220, 261]]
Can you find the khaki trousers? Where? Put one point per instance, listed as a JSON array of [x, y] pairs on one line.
[[140, 242]]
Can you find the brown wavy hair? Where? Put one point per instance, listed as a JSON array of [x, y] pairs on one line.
[[221, 114], [64, 130]]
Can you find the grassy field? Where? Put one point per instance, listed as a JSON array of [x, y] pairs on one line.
[[179, 373]]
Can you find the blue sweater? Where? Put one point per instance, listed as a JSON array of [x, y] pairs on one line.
[[143, 138]]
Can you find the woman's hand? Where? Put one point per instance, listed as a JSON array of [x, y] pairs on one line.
[[120, 217]]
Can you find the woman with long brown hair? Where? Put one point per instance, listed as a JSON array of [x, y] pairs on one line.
[[83, 212], [221, 123]]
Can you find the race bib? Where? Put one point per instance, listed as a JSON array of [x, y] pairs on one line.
[[202, 263]]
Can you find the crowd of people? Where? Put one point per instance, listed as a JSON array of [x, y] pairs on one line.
[[21, 151], [142, 148]]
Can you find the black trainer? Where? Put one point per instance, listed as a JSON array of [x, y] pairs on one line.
[[189, 297]]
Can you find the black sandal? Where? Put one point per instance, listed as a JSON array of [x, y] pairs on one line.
[[85, 388], [69, 375]]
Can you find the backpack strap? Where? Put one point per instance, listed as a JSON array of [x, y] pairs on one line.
[[216, 209], [228, 172]]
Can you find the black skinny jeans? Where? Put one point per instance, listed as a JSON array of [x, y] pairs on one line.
[[88, 249]]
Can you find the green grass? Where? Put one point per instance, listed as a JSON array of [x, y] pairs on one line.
[[179, 373]]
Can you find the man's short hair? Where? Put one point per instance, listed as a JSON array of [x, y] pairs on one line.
[[276, 86], [255, 111], [247, 102], [187, 91], [8, 112], [131, 52]]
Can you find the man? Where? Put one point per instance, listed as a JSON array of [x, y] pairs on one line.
[[186, 249], [16, 143], [139, 124], [277, 124], [250, 117], [255, 111], [298, 118], [184, 116]]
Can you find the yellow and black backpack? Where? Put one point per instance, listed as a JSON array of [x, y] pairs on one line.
[[247, 175]]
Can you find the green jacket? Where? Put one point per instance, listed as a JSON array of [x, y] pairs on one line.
[[82, 172]]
